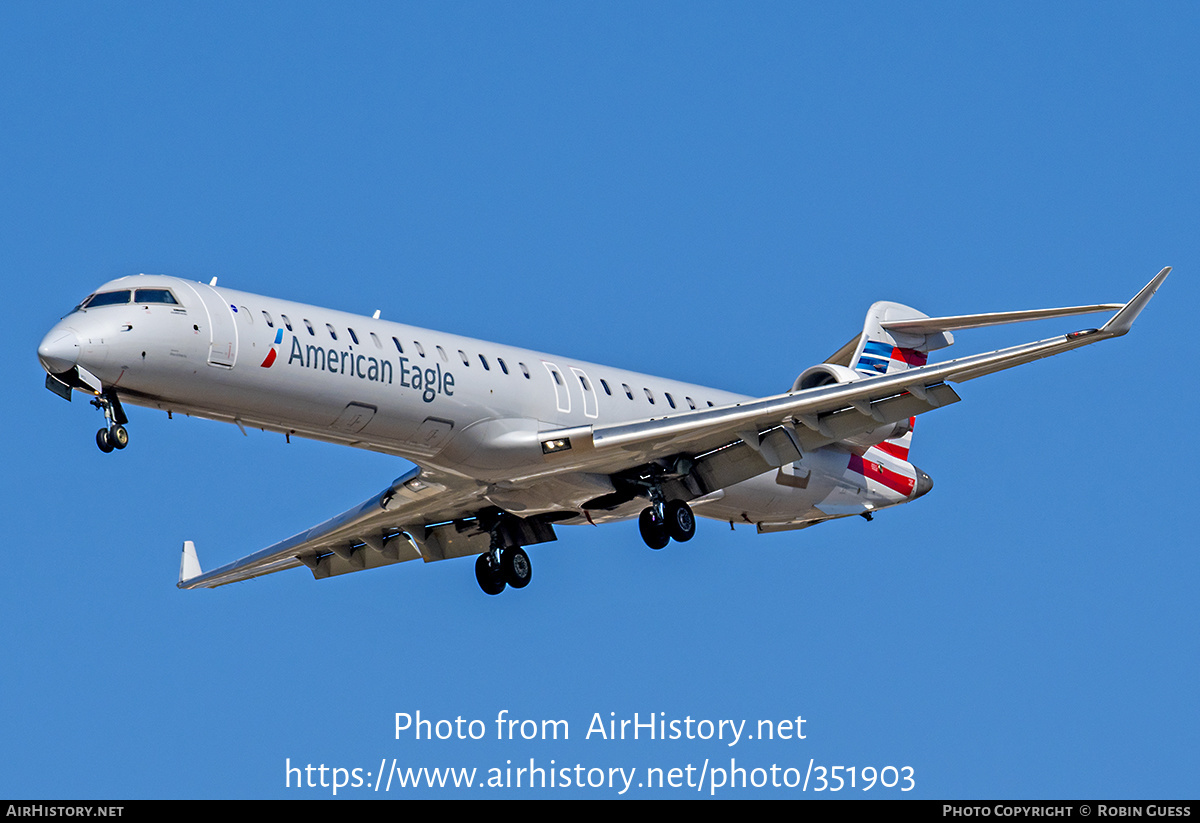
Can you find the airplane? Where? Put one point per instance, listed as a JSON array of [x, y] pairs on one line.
[[509, 444]]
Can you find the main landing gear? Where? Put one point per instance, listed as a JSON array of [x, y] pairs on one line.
[[112, 436], [505, 563], [660, 523], [497, 568]]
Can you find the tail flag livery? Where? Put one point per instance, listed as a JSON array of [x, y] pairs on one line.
[[884, 351]]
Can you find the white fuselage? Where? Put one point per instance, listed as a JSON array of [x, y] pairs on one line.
[[458, 405]]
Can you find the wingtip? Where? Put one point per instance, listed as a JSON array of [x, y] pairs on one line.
[[189, 563], [1122, 321]]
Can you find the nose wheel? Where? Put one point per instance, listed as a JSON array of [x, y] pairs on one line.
[[112, 436]]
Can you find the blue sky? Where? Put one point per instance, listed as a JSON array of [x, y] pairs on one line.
[[711, 192]]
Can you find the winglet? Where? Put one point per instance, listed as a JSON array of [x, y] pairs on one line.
[[1123, 320], [189, 564]]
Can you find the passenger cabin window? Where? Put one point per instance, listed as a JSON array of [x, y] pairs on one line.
[[628, 391], [286, 322], [375, 339], [309, 326], [442, 352], [604, 383], [691, 403], [332, 333], [463, 355], [353, 336], [270, 322], [524, 370], [670, 399], [399, 348], [503, 365], [649, 395], [156, 296], [420, 348], [483, 360]]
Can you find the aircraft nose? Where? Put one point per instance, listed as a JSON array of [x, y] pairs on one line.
[[59, 351], [924, 484]]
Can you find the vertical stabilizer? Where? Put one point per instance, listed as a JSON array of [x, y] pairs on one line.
[[882, 351]]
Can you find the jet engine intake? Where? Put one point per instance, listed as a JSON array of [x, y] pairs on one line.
[[825, 374]]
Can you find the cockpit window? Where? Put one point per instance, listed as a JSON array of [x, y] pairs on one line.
[[106, 298], [154, 296]]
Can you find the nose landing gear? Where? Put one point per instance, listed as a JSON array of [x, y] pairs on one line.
[[113, 436]]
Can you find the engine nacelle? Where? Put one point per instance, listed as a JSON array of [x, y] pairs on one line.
[[828, 374], [825, 374]]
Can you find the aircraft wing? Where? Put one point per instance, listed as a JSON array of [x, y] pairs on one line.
[[388, 528], [778, 428], [428, 516]]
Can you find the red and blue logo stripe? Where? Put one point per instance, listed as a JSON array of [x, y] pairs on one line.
[[273, 353], [877, 357]]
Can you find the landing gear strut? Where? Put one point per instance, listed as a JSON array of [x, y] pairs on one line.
[[112, 436]]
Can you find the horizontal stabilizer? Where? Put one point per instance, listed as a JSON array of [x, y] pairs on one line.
[[930, 325]]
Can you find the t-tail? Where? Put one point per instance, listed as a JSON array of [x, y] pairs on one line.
[[881, 350]]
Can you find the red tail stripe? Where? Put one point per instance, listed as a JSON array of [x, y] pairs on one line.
[[893, 480], [910, 356], [893, 449]]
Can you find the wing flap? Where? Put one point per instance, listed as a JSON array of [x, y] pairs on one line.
[[398, 548], [846, 423]]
